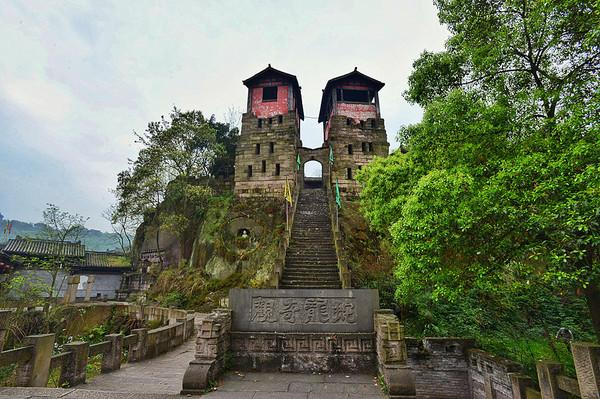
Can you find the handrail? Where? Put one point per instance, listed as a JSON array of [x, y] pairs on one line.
[[343, 270], [18, 355], [280, 261]]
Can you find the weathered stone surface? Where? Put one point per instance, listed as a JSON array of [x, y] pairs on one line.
[[74, 368], [219, 268], [35, 372], [303, 310], [586, 358], [490, 375], [304, 352]]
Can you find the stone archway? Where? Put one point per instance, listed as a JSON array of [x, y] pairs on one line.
[[313, 174], [320, 155]]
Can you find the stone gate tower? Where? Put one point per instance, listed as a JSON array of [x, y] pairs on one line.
[[270, 135], [352, 126]]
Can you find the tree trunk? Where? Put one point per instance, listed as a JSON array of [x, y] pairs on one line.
[[592, 296]]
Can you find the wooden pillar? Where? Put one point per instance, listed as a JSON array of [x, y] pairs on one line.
[[585, 357]]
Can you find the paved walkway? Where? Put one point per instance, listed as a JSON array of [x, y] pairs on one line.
[[161, 377], [296, 386]]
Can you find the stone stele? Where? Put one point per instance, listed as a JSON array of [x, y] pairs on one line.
[[303, 310]]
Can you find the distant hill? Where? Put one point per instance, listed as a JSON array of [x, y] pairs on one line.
[[94, 240]]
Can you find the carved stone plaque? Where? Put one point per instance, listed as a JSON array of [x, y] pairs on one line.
[[303, 310]]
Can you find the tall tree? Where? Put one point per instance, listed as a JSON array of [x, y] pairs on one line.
[[500, 182], [182, 148]]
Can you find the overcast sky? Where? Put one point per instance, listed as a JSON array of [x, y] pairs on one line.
[[77, 77]]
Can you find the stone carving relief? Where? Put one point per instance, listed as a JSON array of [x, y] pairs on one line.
[[303, 310]]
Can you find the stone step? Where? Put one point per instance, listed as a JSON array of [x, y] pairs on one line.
[[314, 259], [312, 268], [316, 279], [311, 259], [310, 286]]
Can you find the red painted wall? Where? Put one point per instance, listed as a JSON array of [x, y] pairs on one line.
[[360, 112], [271, 108]]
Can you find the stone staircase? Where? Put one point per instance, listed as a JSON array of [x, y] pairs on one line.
[[311, 260]]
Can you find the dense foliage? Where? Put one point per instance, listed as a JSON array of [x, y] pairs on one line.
[[168, 184], [493, 206]]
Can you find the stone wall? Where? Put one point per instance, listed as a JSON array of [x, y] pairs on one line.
[[440, 367], [490, 375], [278, 143], [368, 139], [303, 352]]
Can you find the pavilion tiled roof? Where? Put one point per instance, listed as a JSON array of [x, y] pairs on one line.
[[105, 260], [20, 246]]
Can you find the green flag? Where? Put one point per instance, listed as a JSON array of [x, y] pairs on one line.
[[298, 161], [338, 199], [330, 154]]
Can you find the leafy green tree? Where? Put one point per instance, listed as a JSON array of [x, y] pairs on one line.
[[180, 150], [62, 228], [500, 184]]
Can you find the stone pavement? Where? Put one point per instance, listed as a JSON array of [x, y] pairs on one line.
[[232, 386], [161, 377], [296, 386]]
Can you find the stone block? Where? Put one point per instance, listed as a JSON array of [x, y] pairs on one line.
[[35, 372], [111, 358], [139, 350], [303, 310], [585, 357], [74, 367]]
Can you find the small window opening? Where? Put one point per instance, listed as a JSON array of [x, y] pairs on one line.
[[270, 93], [355, 96], [348, 121], [373, 123], [280, 119], [249, 170], [263, 168], [277, 169], [271, 147], [350, 151], [243, 233], [349, 173], [257, 149], [370, 147], [270, 121], [362, 124], [359, 167], [259, 122], [364, 146]]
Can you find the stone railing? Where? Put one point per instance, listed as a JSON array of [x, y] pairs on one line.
[[280, 261], [212, 343], [494, 377], [392, 355], [342, 263], [35, 360], [554, 384]]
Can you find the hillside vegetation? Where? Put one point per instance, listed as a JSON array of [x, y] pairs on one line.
[[493, 205]]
